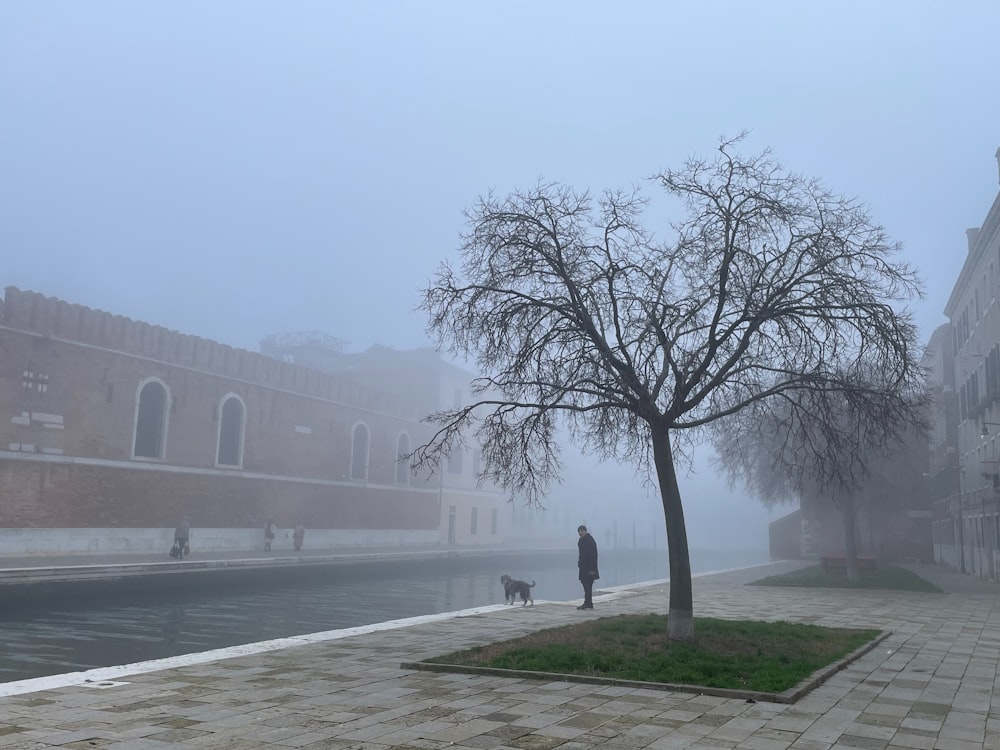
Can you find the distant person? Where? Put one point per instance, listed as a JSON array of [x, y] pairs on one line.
[[587, 563], [182, 537], [298, 536], [268, 535]]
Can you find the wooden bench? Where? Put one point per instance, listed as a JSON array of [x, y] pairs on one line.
[[865, 563]]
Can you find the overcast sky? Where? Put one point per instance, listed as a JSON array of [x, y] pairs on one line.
[[238, 169]]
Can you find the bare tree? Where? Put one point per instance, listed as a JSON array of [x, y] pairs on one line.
[[897, 483], [829, 447], [579, 319]]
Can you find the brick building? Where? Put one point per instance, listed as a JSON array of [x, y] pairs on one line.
[[113, 429], [471, 512]]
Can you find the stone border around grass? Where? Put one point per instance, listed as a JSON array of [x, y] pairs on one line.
[[791, 695]]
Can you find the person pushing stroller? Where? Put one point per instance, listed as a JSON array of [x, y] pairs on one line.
[[182, 539], [269, 530]]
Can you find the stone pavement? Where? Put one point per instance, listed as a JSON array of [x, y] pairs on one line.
[[931, 685]]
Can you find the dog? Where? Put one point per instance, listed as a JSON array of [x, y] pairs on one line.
[[513, 588]]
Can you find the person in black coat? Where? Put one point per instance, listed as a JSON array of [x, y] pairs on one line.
[[182, 538], [587, 563]]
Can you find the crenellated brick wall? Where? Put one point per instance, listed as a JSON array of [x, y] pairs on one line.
[[55, 318], [70, 379]]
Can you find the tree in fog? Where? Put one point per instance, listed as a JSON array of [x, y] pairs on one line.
[[580, 320], [844, 447], [896, 482]]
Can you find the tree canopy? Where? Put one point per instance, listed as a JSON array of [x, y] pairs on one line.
[[831, 450], [577, 317]]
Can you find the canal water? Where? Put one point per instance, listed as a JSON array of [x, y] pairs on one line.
[[54, 628]]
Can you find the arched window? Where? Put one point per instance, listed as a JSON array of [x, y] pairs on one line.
[[359, 452], [230, 439], [402, 462], [150, 420]]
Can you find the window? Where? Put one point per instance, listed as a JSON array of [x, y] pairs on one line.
[[992, 371], [359, 452], [35, 381], [455, 461], [493, 521], [402, 462], [230, 439], [150, 420], [474, 522]]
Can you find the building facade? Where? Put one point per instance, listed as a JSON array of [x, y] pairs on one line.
[[113, 430], [473, 512], [942, 438], [973, 311]]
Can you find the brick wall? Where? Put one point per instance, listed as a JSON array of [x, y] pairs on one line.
[[88, 408], [69, 384], [43, 493]]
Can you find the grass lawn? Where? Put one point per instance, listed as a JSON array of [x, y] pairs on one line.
[[884, 577], [767, 657]]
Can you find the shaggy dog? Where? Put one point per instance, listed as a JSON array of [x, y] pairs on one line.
[[512, 589]]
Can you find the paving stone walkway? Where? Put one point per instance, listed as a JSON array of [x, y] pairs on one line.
[[931, 685]]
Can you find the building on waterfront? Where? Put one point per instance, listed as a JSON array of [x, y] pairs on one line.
[[113, 430], [968, 528], [472, 512]]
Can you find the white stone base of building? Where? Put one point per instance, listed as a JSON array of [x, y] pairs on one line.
[[118, 541]]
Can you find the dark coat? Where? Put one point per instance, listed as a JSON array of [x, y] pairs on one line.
[[587, 562]]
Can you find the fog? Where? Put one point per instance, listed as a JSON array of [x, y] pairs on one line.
[[621, 509], [239, 169]]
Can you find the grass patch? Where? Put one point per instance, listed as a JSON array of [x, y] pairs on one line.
[[886, 577], [767, 657]]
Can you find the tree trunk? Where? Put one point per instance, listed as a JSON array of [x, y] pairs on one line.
[[680, 615], [848, 513]]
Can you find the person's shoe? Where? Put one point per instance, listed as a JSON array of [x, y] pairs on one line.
[[586, 606]]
